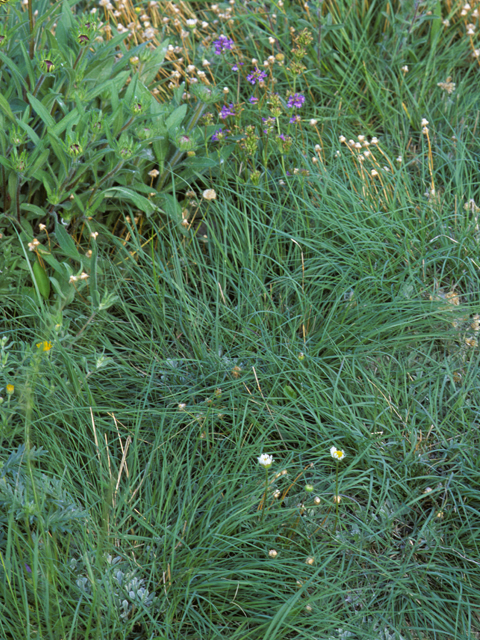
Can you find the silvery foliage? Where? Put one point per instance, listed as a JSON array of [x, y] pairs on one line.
[[126, 589], [55, 511], [376, 631]]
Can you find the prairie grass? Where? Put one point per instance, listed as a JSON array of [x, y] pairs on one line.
[[294, 312]]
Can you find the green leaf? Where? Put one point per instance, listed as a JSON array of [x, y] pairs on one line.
[[112, 86], [4, 162], [436, 23], [150, 70], [160, 149], [49, 259], [139, 201], [290, 392], [5, 107], [41, 111], [38, 162], [170, 206], [65, 27], [18, 75], [33, 209], [66, 243], [69, 120], [41, 280], [31, 133], [57, 287], [58, 150], [175, 119]]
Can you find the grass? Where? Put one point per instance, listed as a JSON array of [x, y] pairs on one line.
[[328, 307]]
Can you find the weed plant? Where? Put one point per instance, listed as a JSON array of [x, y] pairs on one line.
[[241, 401]]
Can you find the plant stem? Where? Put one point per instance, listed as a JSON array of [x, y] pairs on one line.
[[336, 500], [265, 495], [31, 51]]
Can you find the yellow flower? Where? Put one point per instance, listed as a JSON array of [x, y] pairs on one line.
[[10, 389], [45, 345]]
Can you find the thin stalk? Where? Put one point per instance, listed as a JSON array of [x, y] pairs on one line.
[[336, 500], [265, 495], [31, 51]]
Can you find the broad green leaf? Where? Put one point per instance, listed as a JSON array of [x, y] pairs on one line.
[[110, 86], [58, 150], [5, 162], [65, 26], [41, 110], [49, 259], [175, 119], [67, 245], [19, 76], [38, 162], [69, 120], [31, 133], [5, 107], [33, 209], [139, 201], [170, 206], [151, 68], [160, 148]]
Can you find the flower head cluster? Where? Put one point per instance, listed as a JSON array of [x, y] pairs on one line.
[[337, 454], [44, 346], [227, 110], [265, 460], [256, 75], [296, 100], [219, 135], [223, 44], [209, 194]]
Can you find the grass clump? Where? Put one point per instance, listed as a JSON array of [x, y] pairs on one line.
[[240, 400]]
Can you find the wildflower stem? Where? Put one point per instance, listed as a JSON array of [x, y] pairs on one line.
[[336, 501], [31, 51], [265, 495]]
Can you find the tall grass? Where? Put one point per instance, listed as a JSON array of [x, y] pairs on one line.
[[331, 308]]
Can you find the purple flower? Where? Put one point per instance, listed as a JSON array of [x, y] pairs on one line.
[[257, 75], [223, 44], [281, 136], [296, 100], [235, 66], [253, 100], [294, 119], [227, 111], [219, 135], [28, 569]]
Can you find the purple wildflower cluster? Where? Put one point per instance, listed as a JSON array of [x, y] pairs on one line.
[[269, 122], [253, 100], [296, 100], [219, 135], [227, 110], [256, 75], [223, 44], [295, 119]]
